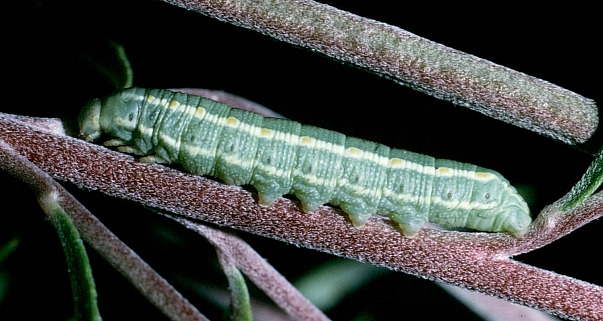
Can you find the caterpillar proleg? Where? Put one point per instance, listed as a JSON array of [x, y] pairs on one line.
[[318, 166]]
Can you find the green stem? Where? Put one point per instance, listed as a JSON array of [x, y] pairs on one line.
[[78, 265], [588, 184], [239, 295], [8, 248]]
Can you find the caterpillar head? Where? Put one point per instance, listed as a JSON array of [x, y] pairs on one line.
[[116, 115], [502, 208]]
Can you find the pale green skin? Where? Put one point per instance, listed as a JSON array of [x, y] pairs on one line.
[[172, 135]]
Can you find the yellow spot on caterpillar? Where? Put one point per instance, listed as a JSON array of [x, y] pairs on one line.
[[231, 121], [353, 151], [200, 112], [174, 104], [305, 140], [265, 132], [444, 171], [396, 161], [483, 175], [150, 98]]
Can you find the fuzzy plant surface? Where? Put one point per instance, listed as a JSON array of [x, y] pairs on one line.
[[437, 79]]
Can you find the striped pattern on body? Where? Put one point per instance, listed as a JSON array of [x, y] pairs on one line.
[[318, 166]]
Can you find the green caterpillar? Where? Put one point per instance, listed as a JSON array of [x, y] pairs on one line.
[[318, 166]]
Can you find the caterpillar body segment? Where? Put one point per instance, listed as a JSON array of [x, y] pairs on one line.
[[275, 159], [318, 166]]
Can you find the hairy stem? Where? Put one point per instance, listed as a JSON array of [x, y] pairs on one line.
[[419, 63], [240, 254], [478, 261], [118, 254]]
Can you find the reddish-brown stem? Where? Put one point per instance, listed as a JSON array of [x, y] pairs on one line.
[[259, 271], [126, 261], [419, 63], [478, 261]]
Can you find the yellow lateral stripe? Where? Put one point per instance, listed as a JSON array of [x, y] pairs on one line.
[[292, 139], [363, 192], [394, 163]]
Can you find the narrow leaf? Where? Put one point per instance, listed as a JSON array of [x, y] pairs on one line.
[[78, 265], [588, 184], [239, 295], [8, 248]]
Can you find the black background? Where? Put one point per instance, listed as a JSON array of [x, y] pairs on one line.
[[50, 49]]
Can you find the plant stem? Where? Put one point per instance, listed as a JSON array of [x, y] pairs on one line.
[[411, 60]]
